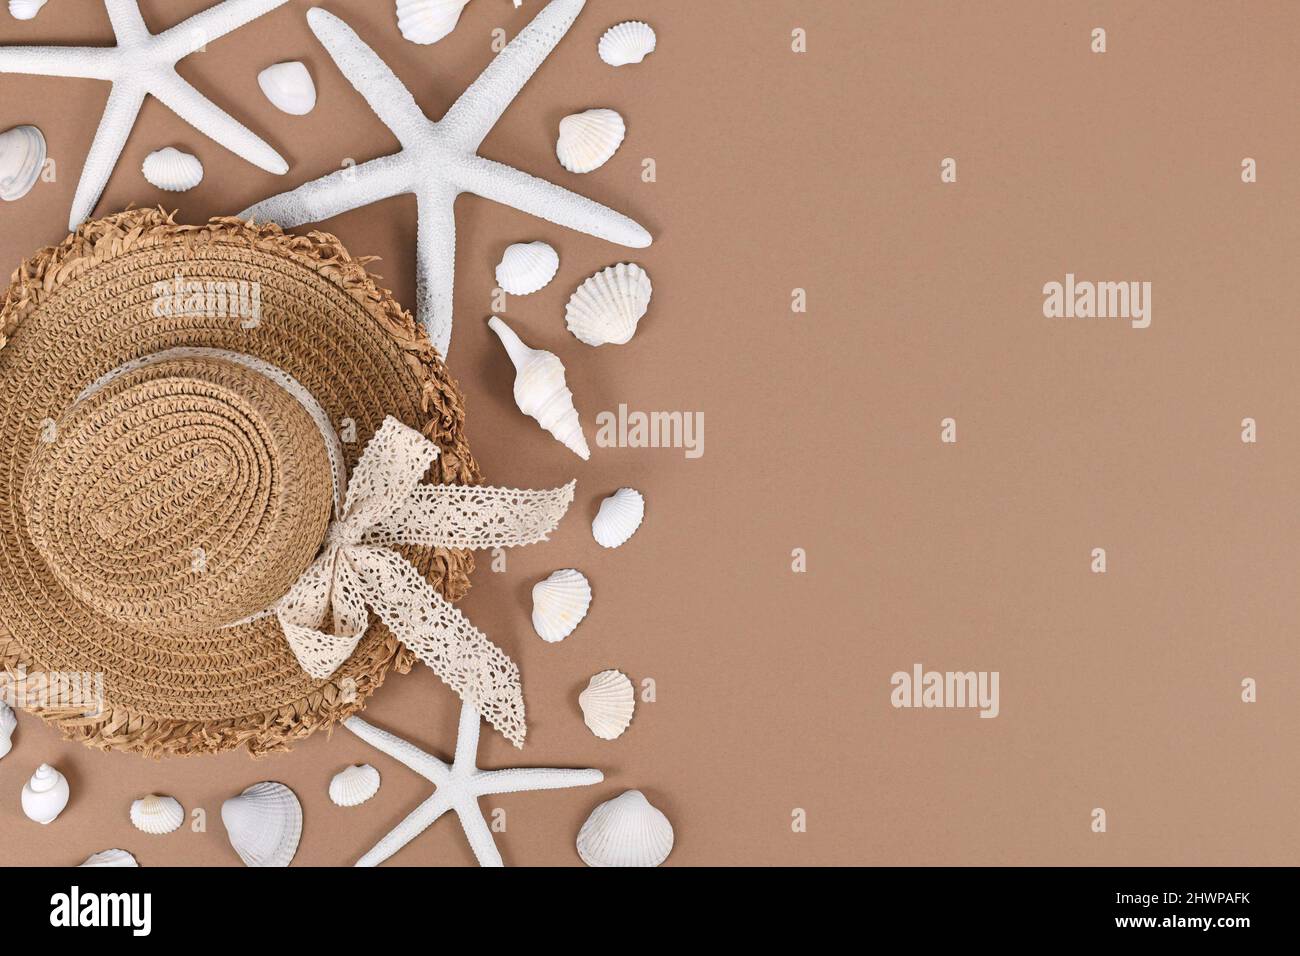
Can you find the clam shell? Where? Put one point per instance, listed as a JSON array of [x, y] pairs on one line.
[[606, 308], [264, 824], [110, 858], [8, 724], [45, 795], [354, 785], [22, 154], [619, 516], [25, 9], [588, 140], [541, 391], [627, 42], [289, 86], [607, 704], [625, 831], [170, 169], [527, 267], [428, 21], [157, 815], [559, 604]]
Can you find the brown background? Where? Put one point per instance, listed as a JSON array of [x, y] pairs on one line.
[[821, 171]]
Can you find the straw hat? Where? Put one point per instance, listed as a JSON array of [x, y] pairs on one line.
[[163, 477]]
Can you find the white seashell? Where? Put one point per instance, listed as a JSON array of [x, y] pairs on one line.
[[589, 140], [157, 815], [25, 9], [45, 795], [110, 858], [625, 831], [607, 307], [559, 604], [619, 516], [541, 391], [607, 704], [170, 169], [627, 42], [264, 824], [289, 87], [355, 785], [8, 724], [22, 155], [428, 21], [527, 267]]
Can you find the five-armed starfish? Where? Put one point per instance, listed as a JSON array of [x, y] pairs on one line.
[[439, 161], [143, 63], [459, 785]]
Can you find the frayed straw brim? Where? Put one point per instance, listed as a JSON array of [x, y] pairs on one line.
[[83, 308]]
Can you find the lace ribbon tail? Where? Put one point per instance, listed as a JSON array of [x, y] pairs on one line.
[[461, 516]]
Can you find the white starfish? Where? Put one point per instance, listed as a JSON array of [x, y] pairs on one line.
[[143, 64], [459, 785], [439, 161]]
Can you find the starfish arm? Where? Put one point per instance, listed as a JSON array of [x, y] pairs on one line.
[[126, 20], [477, 110], [517, 189], [426, 765], [478, 833], [335, 193], [467, 731], [192, 35], [370, 76], [218, 125], [119, 117], [86, 63], [416, 822], [521, 779], [435, 266]]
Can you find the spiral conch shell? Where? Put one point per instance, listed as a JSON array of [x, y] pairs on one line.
[[8, 724], [559, 604], [626, 831], [157, 815], [589, 140], [264, 824], [45, 795], [607, 307], [541, 391], [353, 786], [607, 704]]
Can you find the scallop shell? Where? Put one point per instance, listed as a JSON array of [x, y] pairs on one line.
[[619, 516], [607, 307], [25, 9], [8, 724], [22, 155], [355, 785], [45, 795], [527, 267], [264, 824], [541, 391], [110, 858], [559, 604], [157, 815], [607, 704], [625, 831], [627, 42], [170, 169], [289, 86], [428, 21], [589, 140]]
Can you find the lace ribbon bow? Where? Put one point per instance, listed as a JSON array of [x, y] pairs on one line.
[[358, 572]]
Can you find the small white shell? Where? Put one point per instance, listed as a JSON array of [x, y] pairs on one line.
[[606, 308], [589, 140], [527, 267], [170, 169], [559, 604], [625, 831], [45, 795], [541, 391], [428, 21], [608, 704], [25, 9], [8, 724], [289, 86], [110, 858], [619, 516], [264, 824], [157, 815], [354, 785], [627, 42], [22, 155]]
